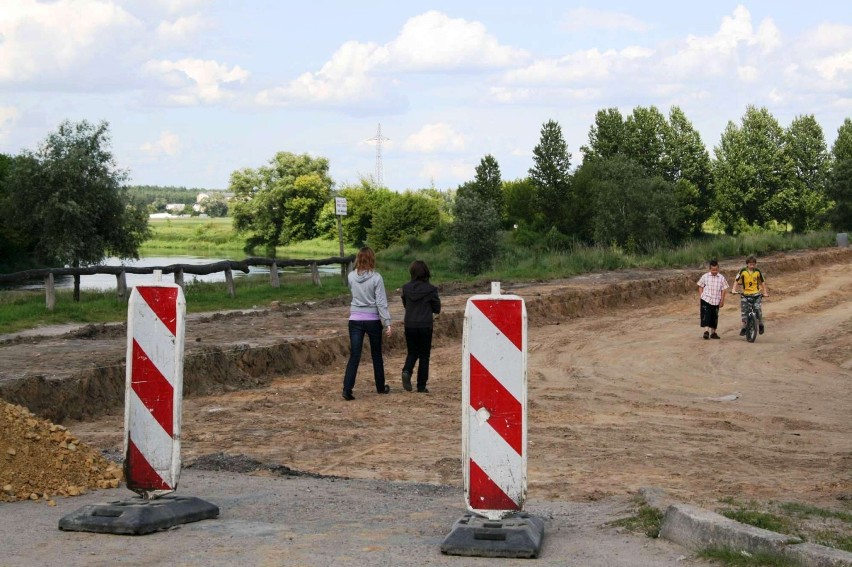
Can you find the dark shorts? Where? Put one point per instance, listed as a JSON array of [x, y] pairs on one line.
[[709, 315]]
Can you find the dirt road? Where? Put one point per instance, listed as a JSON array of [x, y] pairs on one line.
[[619, 397]]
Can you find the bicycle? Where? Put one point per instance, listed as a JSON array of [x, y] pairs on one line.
[[752, 316]]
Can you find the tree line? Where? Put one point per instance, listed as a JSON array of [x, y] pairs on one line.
[[645, 180]]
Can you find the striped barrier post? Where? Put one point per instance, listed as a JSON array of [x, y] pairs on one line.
[[154, 389], [152, 421], [494, 432], [494, 398]]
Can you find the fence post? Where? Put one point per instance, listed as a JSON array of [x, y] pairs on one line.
[[229, 279], [179, 277], [315, 277], [273, 275], [49, 292], [121, 285]]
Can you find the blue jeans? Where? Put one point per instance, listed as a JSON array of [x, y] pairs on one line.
[[357, 330]]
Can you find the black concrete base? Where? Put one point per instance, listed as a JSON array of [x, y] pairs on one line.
[[137, 516], [519, 535]]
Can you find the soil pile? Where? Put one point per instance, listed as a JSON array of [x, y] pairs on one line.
[[39, 460]]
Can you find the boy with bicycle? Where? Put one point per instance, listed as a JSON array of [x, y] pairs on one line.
[[754, 284]]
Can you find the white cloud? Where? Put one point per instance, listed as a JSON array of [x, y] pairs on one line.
[[198, 81], [444, 172], [835, 65], [580, 66], [747, 73], [541, 95], [345, 79], [168, 144], [362, 73], [41, 38], [8, 117], [435, 138], [435, 42], [182, 28], [718, 54], [589, 19]]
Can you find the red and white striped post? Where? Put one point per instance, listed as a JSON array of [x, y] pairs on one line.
[[494, 404], [154, 390]]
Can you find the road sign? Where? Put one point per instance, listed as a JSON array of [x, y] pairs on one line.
[[340, 206], [494, 404], [154, 390]]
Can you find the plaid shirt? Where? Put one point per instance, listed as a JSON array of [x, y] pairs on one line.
[[712, 287]]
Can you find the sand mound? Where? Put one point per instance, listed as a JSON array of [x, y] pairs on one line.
[[39, 460]]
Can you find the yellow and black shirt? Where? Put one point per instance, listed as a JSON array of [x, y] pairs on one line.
[[750, 280]]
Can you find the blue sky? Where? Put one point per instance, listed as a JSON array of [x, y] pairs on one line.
[[196, 89]]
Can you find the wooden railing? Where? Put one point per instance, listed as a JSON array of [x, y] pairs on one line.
[[227, 266]]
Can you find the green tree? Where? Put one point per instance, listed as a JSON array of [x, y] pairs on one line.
[[474, 232], [400, 216], [751, 167], [645, 140], [280, 203], [690, 169], [70, 200], [215, 205], [606, 136], [630, 208], [487, 183], [551, 177], [802, 203], [839, 187], [520, 203]]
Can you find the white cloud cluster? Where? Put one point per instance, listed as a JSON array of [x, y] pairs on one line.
[[167, 144], [196, 80], [41, 38], [437, 137], [359, 73]]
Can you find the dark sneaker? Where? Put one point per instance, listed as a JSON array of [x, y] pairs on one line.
[[706, 335], [406, 380], [423, 390], [348, 396], [714, 336], [385, 391], [760, 329], [742, 332]]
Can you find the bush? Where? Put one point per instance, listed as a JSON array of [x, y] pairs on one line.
[[475, 233]]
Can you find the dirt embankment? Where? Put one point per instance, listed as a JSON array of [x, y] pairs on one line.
[[81, 374]]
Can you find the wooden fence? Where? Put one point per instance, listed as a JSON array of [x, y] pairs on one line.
[[227, 266]]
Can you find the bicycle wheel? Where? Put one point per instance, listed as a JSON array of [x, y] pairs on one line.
[[751, 327]]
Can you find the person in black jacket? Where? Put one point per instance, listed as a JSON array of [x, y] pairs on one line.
[[421, 302]]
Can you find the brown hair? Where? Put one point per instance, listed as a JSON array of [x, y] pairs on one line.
[[751, 259], [419, 271], [365, 260]]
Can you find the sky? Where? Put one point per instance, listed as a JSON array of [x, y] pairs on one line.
[[194, 90]]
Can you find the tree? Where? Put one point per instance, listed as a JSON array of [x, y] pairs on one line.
[[839, 187], [400, 216], [70, 200], [215, 205], [474, 232], [630, 208], [689, 168], [551, 177], [487, 184], [751, 167], [645, 137], [606, 136], [802, 203], [280, 203]]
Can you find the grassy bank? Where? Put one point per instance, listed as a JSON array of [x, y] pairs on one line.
[[22, 310]]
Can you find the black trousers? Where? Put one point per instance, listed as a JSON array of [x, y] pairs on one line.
[[709, 315], [419, 343]]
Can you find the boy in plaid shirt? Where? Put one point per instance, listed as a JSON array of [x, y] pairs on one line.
[[711, 292]]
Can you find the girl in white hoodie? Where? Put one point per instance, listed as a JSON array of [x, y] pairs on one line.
[[367, 313]]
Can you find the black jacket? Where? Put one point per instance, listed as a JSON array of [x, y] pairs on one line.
[[420, 300]]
